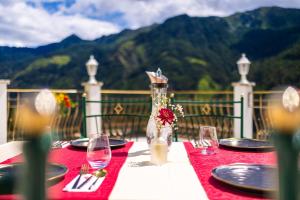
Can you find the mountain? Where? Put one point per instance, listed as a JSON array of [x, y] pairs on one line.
[[193, 52]]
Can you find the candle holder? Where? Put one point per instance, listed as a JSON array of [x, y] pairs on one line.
[[35, 118], [284, 113], [35, 152], [287, 156]]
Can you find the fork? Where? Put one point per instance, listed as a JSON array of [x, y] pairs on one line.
[[59, 144], [83, 170]]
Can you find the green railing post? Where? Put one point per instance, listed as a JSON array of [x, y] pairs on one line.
[[84, 115], [242, 117], [172, 99]]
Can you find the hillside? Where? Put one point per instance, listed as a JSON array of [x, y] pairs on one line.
[[190, 51]]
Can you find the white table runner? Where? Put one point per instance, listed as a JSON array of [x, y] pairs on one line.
[[139, 180]]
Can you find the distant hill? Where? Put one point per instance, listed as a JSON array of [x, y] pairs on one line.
[[193, 52]]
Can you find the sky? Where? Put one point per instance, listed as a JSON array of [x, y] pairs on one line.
[[31, 23]]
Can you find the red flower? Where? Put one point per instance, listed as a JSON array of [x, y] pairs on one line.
[[68, 104], [67, 101], [166, 116]]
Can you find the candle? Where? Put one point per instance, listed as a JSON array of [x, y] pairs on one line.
[[284, 113], [35, 120]]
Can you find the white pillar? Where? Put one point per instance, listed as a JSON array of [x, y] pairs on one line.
[[93, 93], [244, 90], [3, 111], [92, 88]]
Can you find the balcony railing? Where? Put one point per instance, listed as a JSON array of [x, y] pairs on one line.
[[68, 125]]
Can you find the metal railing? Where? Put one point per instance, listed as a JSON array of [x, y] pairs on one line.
[[129, 116], [69, 124], [66, 125], [214, 112], [121, 117], [261, 122]]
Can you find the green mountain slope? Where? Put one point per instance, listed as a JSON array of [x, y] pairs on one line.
[[192, 51]]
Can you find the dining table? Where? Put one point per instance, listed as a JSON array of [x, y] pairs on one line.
[[131, 176]]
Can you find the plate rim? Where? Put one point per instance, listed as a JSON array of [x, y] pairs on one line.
[[50, 163], [83, 139], [240, 147], [253, 188]]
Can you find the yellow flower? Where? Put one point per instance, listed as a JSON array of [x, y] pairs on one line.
[[60, 98]]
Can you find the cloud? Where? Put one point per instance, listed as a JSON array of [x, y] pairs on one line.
[[24, 25], [137, 13], [39, 22]]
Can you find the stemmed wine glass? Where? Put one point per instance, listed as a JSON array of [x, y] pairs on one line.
[[208, 140], [98, 151]]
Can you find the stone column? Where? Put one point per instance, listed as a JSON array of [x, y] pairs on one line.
[[93, 93], [244, 90], [92, 88], [3, 111]]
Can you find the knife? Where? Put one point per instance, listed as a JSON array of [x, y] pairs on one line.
[[85, 182]]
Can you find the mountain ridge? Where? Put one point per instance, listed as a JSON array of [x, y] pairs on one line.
[[192, 52]]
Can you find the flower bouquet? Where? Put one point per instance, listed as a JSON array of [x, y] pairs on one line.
[[167, 113], [64, 103], [166, 117]]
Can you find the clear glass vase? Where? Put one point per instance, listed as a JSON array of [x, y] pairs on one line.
[[158, 92]]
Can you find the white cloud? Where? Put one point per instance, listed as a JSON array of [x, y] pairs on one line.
[[23, 25], [137, 13]]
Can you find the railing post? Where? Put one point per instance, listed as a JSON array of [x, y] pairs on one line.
[[243, 92], [83, 105], [3, 111], [242, 117], [172, 98], [92, 89]]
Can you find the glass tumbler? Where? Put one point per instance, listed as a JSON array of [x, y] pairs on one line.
[[98, 151], [208, 140]]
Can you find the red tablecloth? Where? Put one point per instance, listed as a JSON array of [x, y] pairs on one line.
[[73, 159], [203, 166]]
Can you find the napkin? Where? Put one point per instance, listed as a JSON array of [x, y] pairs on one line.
[[85, 188]]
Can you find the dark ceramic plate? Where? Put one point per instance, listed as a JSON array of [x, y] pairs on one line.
[[10, 173], [254, 177], [54, 171], [246, 144], [83, 143]]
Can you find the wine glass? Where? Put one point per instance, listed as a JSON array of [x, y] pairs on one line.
[[98, 151], [208, 140]]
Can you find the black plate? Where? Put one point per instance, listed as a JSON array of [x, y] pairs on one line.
[[54, 171], [254, 177], [246, 144], [83, 143], [10, 173]]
